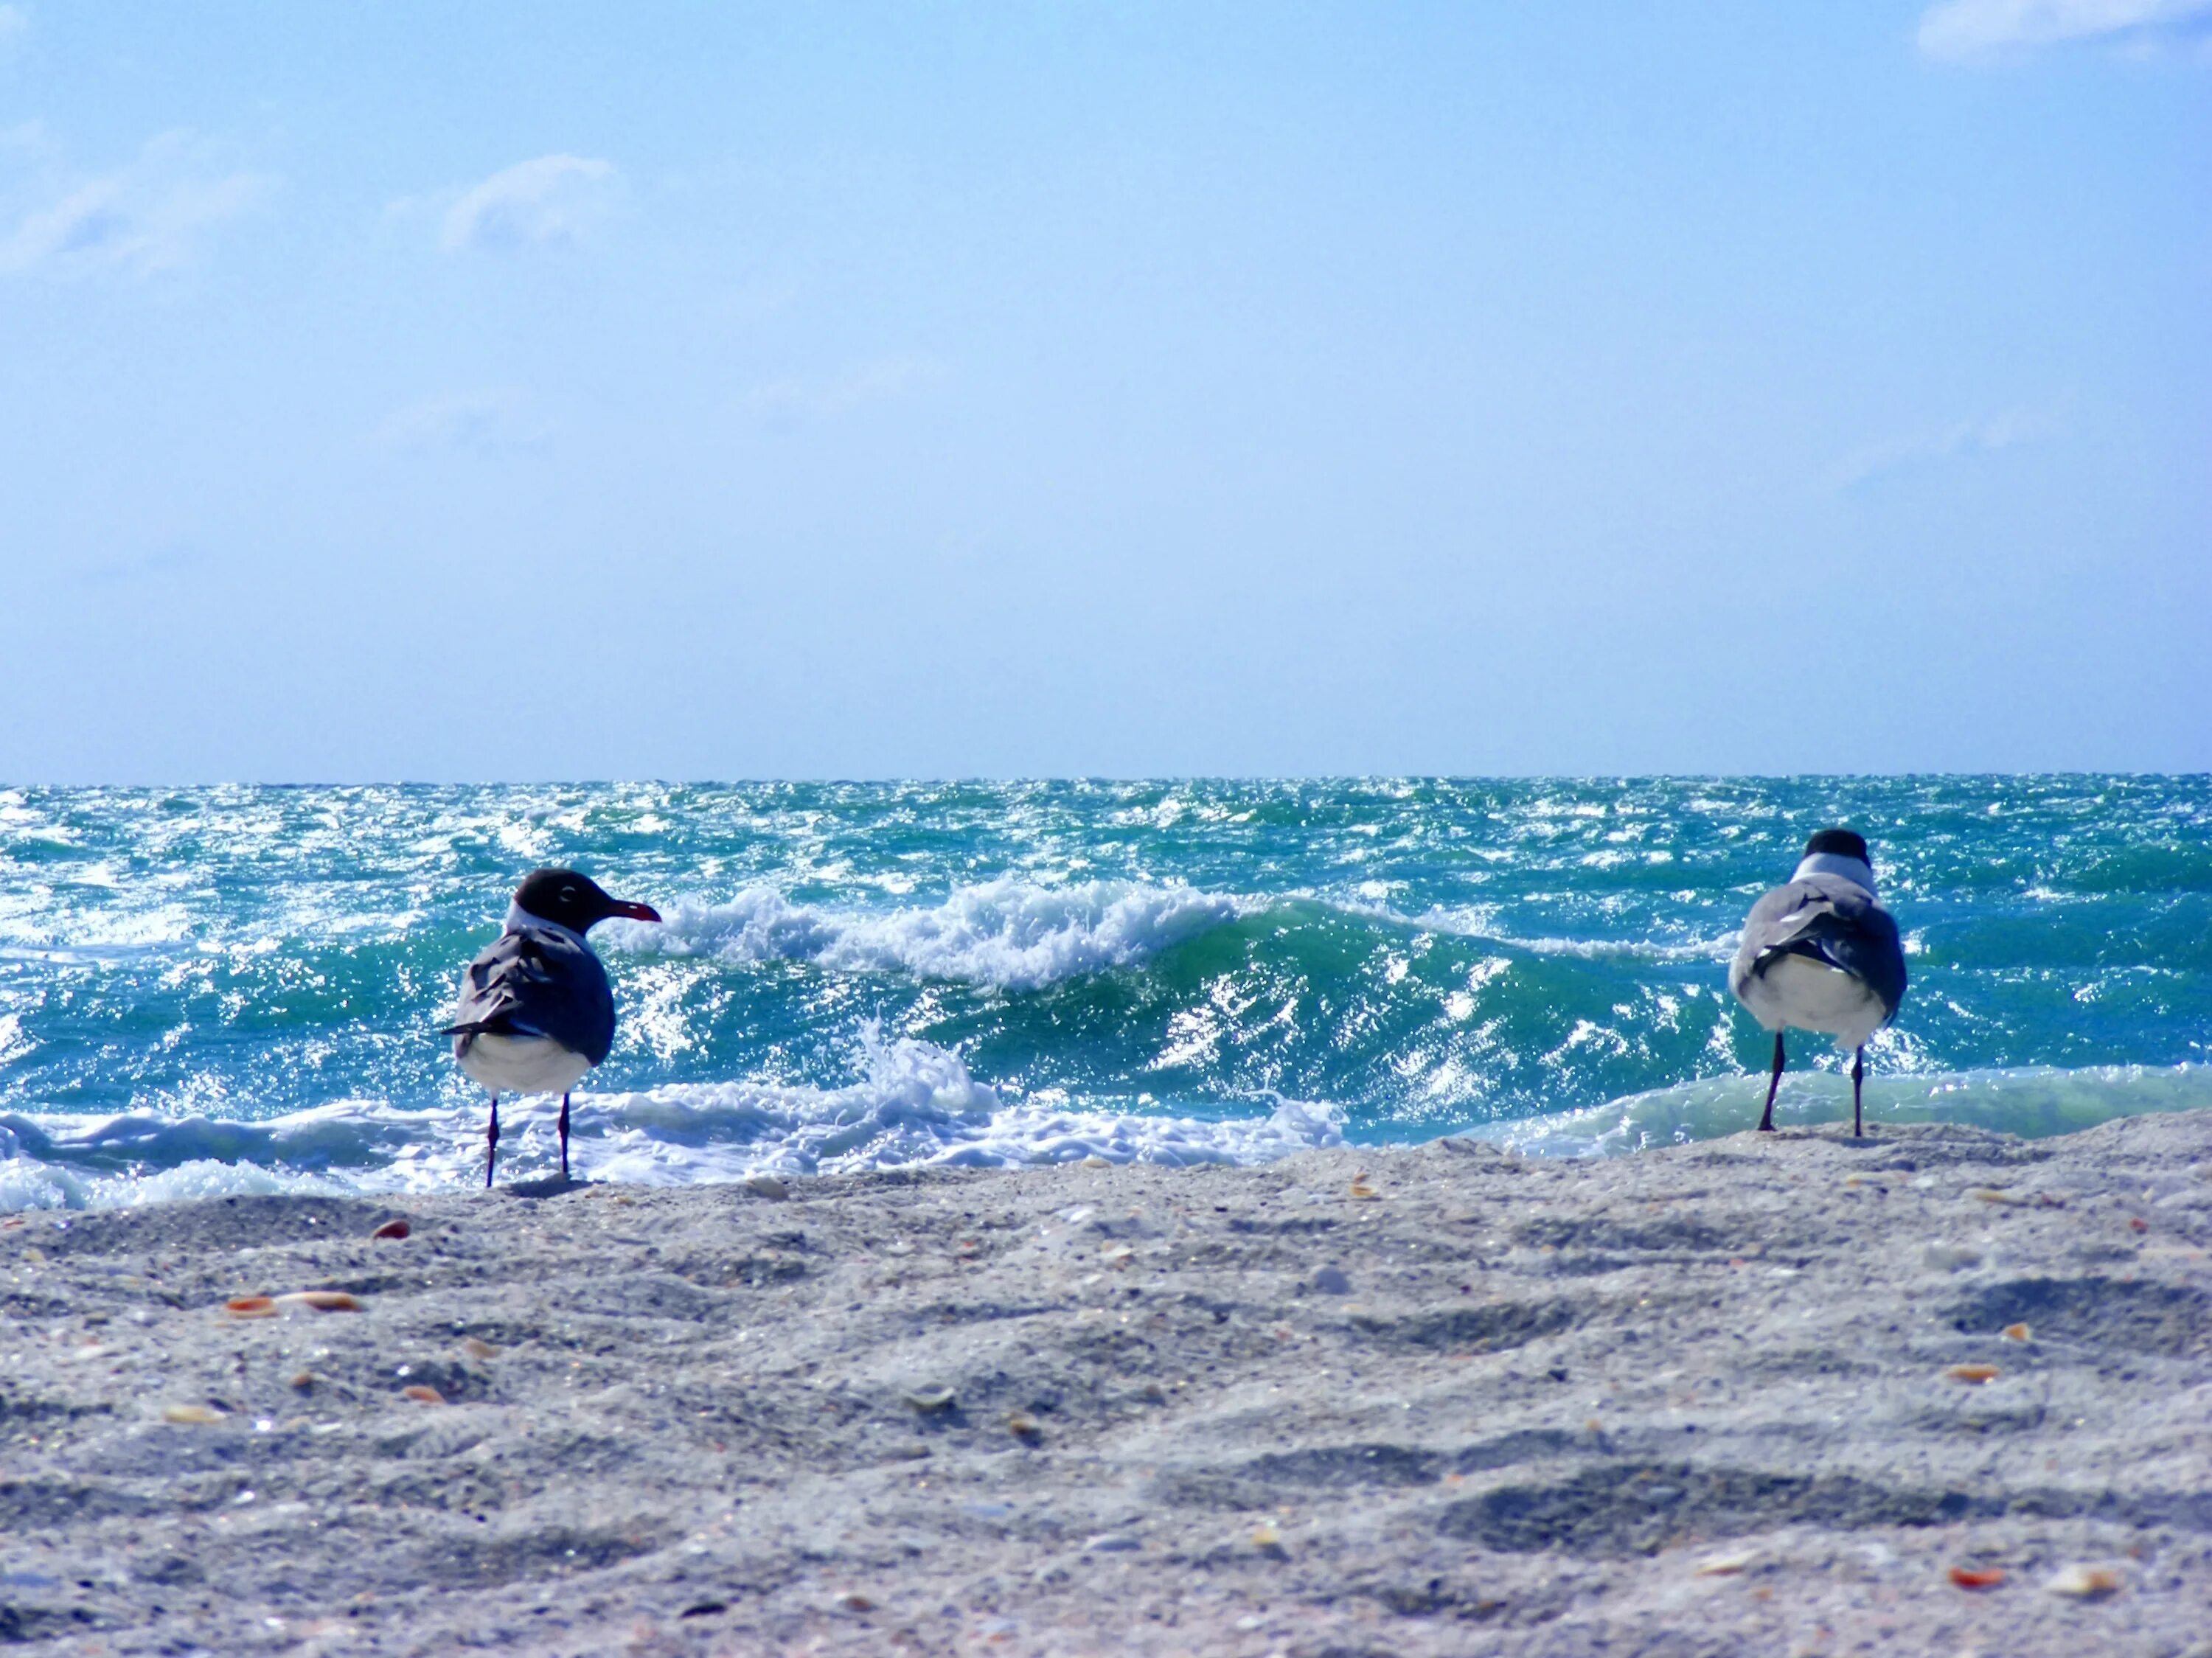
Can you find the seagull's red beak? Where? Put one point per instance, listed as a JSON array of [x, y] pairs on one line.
[[634, 912]]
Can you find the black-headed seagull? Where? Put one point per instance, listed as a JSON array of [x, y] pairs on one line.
[[536, 1011], [1821, 954]]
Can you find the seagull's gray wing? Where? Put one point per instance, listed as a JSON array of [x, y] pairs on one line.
[[533, 981], [1832, 921]]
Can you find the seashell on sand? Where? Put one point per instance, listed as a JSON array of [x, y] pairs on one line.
[[1726, 1565], [2018, 1332], [319, 1301], [1973, 1577], [191, 1415], [1976, 1373], [392, 1230], [1024, 1427], [423, 1395], [478, 1348], [927, 1400], [2084, 1582], [251, 1307]]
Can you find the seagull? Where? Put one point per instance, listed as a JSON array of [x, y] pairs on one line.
[[536, 1011], [1822, 954]]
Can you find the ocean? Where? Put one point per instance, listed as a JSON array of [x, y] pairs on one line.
[[236, 989]]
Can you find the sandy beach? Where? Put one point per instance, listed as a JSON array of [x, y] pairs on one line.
[[1773, 1395]]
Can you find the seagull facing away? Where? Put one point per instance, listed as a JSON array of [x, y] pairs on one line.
[[1822, 954], [536, 1011]]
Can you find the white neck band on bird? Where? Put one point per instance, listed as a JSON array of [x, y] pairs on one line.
[[518, 917], [1834, 863]]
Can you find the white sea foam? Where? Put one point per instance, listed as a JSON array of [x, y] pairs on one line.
[[1008, 933], [916, 1105], [2032, 1103], [1480, 923]]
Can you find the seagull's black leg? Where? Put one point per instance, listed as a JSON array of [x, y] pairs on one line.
[[1858, 1076], [491, 1144], [564, 1137], [1766, 1122]]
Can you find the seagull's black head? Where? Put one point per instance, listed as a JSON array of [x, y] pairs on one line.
[[574, 900], [1840, 842]]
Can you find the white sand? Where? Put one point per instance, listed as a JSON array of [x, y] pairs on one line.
[[1693, 1401]]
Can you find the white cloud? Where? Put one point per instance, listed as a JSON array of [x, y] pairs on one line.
[[1964, 29], [483, 422], [793, 401], [153, 213], [2007, 429], [553, 199]]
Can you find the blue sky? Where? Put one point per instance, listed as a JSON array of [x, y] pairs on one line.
[[443, 393]]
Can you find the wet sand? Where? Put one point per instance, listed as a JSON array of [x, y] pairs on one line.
[[1703, 1400]]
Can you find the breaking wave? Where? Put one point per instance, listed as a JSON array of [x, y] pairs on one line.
[[2032, 1103], [915, 1106], [1009, 934]]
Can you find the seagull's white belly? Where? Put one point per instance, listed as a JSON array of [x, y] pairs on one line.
[[1797, 990], [521, 1065]]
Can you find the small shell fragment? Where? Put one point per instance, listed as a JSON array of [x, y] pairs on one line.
[[423, 1395], [1116, 1254], [1266, 1537], [1094, 1161], [304, 1381], [319, 1301], [1976, 1373], [2084, 1582], [766, 1185], [927, 1400], [2018, 1332], [1024, 1427], [191, 1415], [250, 1307], [392, 1230], [1362, 1186], [1726, 1565], [1970, 1577], [478, 1348], [1996, 1194], [853, 1600]]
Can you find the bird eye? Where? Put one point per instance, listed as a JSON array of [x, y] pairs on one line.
[[568, 895]]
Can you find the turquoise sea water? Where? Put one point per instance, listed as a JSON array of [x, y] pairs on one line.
[[237, 988]]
